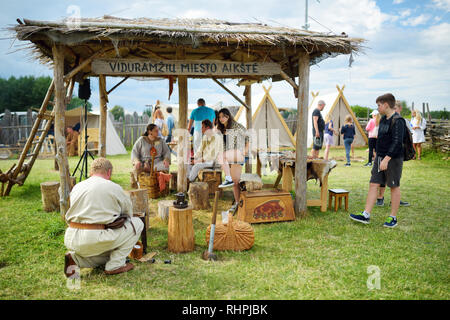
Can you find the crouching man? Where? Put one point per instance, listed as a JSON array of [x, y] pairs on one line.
[[102, 229]]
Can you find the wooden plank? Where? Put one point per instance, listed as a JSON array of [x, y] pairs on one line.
[[60, 140], [103, 114], [302, 134], [161, 67]]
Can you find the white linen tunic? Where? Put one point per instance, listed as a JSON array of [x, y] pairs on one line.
[[418, 135]]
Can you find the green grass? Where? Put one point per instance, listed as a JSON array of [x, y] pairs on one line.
[[323, 256]]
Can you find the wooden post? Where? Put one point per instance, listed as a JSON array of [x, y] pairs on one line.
[[183, 153], [412, 106], [103, 114], [302, 134], [60, 140], [423, 109], [248, 101], [429, 114]]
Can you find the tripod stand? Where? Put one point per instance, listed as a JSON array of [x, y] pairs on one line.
[[84, 157]]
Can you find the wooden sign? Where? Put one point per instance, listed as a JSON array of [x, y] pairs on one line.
[[148, 67]]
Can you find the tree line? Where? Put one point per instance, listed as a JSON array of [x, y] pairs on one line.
[[23, 93]]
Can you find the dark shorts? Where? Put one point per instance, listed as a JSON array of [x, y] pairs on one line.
[[318, 145], [391, 176]]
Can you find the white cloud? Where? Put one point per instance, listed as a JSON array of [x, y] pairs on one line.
[[398, 1], [415, 21], [442, 4], [405, 13]]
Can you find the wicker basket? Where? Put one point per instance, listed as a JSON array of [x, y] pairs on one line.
[[235, 235], [149, 182]]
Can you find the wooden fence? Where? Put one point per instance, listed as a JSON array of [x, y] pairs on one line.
[[131, 128], [16, 127]]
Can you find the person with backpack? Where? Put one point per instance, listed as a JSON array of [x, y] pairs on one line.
[[380, 198], [388, 164]]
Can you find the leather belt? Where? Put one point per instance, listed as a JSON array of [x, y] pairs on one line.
[[88, 226]]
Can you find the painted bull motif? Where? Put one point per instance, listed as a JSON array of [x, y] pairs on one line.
[[269, 210]]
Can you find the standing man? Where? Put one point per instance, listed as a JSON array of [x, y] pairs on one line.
[[317, 129], [388, 164], [202, 112], [170, 124], [91, 239]]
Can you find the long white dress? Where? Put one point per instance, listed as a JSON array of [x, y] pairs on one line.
[[418, 135]]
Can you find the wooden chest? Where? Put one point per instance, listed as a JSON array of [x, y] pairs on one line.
[[265, 206]]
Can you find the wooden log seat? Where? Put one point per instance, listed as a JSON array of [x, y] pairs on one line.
[[50, 196], [180, 229], [250, 182], [199, 195], [163, 209]]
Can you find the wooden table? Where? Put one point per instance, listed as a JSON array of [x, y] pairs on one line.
[[286, 175]]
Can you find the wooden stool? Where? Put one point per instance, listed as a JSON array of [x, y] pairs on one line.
[[338, 194], [180, 230]]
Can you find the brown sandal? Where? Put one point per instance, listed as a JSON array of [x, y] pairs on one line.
[[127, 267]]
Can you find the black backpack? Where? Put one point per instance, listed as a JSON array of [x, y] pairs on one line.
[[408, 150]]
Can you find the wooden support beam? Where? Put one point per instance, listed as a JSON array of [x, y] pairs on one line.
[[122, 81], [183, 151], [86, 62], [230, 92], [302, 134], [103, 114], [290, 81], [248, 101], [60, 139], [154, 54]]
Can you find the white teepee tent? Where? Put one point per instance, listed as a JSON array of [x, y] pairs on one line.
[[265, 118], [113, 144], [336, 109]]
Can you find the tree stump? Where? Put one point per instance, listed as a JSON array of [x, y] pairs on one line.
[[180, 230], [199, 195], [163, 209], [50, 196], [139, 199]]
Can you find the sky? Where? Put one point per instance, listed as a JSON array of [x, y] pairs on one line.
[[407, 48]]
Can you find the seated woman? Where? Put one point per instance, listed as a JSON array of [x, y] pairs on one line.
[[140, 155], [235, 146]]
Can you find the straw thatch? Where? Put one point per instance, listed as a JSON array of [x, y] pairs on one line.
[[200, 38]]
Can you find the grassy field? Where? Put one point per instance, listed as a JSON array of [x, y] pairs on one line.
[[323, 256]]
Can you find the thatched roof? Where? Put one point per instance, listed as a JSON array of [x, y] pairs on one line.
[[201, 38]]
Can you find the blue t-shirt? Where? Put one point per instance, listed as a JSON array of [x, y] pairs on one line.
[[202, 113], [170, 123], [327, 131], [348, 131]]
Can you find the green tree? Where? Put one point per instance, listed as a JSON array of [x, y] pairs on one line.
[[118, 112], [360, 111], [148, 111], [77, 102]]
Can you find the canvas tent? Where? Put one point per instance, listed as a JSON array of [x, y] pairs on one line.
[[265, 118], [336, 109], [113, 144]]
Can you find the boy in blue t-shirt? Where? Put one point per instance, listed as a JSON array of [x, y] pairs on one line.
[[202, 112]]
